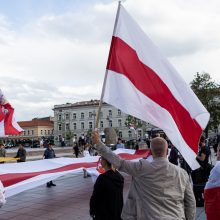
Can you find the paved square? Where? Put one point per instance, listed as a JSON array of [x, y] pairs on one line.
[[69, 200]]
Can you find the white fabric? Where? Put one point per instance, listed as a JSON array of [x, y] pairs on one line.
[[214, 178], [2, 195], [2, 128]]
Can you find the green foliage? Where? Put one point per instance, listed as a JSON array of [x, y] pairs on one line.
[[69, 135], [208, 91], [134, 122]]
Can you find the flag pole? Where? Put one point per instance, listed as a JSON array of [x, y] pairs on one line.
[[106, 71]]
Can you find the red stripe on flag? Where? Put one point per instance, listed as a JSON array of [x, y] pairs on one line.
[[9, 128], [124, 60], [13, 178]]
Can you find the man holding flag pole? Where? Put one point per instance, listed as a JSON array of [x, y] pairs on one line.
[[141, 82]]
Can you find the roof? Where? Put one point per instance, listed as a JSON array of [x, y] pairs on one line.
[[92, 102], [35, 123]]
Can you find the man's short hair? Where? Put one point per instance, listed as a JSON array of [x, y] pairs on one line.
[[108, 163], [158, 146]]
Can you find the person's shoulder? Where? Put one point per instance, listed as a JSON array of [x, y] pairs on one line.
[[181, 171], [100, 178]]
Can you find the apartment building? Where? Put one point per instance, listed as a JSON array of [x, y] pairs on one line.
[[71, 120]]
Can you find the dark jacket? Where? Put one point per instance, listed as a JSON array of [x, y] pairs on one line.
[[21, 153], [107, 199], [49, 153]]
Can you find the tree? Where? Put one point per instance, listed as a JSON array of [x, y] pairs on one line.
[[131, 121], [208, 91]]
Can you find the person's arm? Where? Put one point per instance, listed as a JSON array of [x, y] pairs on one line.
[[189, 202], [218, 153], [45, 154], [129, 167], [202, 157]]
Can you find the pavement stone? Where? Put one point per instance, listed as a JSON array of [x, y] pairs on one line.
[[69, 200]]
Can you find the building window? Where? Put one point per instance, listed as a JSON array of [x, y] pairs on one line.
[[139, 133], [24, 132], [119, 112], [90, 125], [67, 126], [119, 123], [48, 132], [110, 123], [101, 124], [45, 132], [82, 125], [52, 131], [28, 132], [129, 134], [82, 115], [110, 113], [59, 117], [120, 134], [41, 132], [74, 116], [74, 126], [67, 117], [90, 114], [32, 132], [59, 127]]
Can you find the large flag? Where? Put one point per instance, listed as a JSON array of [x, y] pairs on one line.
[[18, 177], [212, 194], [141, 82], [8, 124]]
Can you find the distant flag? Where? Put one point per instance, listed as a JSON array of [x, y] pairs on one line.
[[8, 124], [141, 82]]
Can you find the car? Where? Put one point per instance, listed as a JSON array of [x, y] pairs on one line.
[[27, 145], [35, 145], [9, 145]]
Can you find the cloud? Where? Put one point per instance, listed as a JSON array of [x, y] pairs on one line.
[[34, 99]]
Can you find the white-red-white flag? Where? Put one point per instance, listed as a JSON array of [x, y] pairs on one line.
[[8, 124], [141, 82]]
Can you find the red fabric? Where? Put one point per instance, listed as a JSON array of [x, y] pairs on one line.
[[9, 128], [212, 203], [124, 60]]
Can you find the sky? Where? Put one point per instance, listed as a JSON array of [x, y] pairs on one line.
[[55, 52]]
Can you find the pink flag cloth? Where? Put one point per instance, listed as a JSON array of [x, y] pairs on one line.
[[141, 82], [18, 177], [212, 194], [8, 124]]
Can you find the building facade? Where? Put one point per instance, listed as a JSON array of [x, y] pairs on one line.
[[35, 130], [72, 120]]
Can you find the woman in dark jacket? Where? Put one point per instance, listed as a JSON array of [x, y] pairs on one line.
[[107, 199]]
